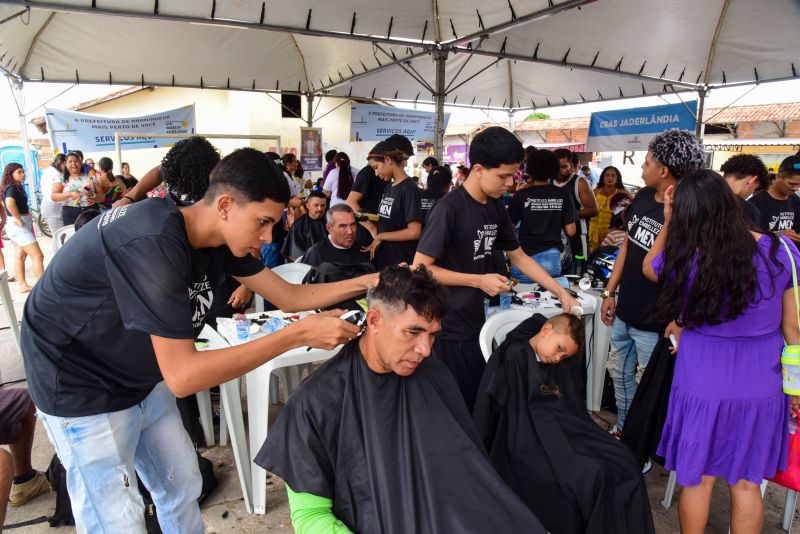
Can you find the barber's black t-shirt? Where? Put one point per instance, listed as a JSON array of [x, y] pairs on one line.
[[542, 211], [128, 274], [371, 187], [637, 294], [461, 233], [777, 215], [400, 205], [19, 196], [751, 212]]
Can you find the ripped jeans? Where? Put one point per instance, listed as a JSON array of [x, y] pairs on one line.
[[102, 454], [630, 352]]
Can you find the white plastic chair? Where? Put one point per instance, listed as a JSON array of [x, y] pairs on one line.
[[294, 274], [61, 235], [258, 393], [291, 272], [497, 327]]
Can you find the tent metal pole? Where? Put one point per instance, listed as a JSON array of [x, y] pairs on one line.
[[310, 104], [698, 131], [118, 150], [26, 148], [440, 56]]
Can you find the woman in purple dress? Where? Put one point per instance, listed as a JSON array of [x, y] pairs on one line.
[[730, 287]]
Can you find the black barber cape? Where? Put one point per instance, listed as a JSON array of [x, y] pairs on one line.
[[395, 454], [304, 232], [573, 475]]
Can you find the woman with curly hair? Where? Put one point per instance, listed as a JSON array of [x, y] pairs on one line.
[[339, 182], [78, 191], [730, 287], [20, 228], [184, 171]]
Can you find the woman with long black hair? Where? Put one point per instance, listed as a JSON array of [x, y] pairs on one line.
[[731, 290], [78, 191], [20, 225], [339, 182]]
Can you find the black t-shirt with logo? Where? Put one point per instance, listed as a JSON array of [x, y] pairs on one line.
[[128, 274], [427, 200], [462, 234], [542, 211], [400, 205], [777, 215], [637, 294], [371, 188]]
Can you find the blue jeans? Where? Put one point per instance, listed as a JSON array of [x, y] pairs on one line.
[[549, 259], [630, 351], [103, 453]]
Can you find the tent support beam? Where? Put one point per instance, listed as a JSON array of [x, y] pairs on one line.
[[698, 130], [578, 66], [385, 66], [440, 56], [310, 104], [60, 8], [519, 21], [16, 86]]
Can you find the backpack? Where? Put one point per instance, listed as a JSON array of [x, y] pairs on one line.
[[62, 515]]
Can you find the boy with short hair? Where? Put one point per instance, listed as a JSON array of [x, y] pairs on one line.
[[464, 230], [529, 413]]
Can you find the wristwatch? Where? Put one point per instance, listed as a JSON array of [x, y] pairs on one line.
[[606, 293]]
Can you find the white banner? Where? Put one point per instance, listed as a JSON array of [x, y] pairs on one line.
[[87, 132]]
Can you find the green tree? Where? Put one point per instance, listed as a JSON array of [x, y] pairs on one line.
[[537, 116]]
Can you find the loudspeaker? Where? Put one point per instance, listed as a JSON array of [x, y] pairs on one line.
[[290, 107]]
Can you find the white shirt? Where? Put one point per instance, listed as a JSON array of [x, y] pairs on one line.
[[332, 184]]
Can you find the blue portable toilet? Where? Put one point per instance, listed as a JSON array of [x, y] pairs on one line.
[[12, 152]]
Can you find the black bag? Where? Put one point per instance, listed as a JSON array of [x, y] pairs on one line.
[[648, 411], [57, 476], [336, 272]]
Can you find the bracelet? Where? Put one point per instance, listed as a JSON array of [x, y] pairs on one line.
[[129, 198]]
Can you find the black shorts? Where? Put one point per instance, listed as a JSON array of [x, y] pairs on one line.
[[466, 362], [14, 404]]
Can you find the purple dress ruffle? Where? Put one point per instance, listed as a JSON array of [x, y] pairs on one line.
[[728, 416]]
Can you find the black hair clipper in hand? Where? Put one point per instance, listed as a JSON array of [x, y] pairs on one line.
[[356, 317]]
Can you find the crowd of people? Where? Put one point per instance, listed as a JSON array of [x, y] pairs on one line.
[[443, 440]]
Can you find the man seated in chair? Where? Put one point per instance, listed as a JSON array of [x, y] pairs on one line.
[[307, 229], [380, 440], [572, 474], [341, 246]]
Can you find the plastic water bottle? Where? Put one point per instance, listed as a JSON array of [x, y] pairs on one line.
[[242, 326], [273, 324]]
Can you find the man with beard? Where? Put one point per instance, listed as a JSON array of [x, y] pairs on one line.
[[308, 229]]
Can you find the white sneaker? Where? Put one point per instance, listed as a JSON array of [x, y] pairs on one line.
[[648, 466]]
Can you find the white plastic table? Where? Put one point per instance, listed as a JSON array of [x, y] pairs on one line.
[[258, 385]]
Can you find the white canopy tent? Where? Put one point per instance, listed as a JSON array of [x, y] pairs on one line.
[[495, 54]]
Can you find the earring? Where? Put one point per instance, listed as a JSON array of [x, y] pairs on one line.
[[224, 217]]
